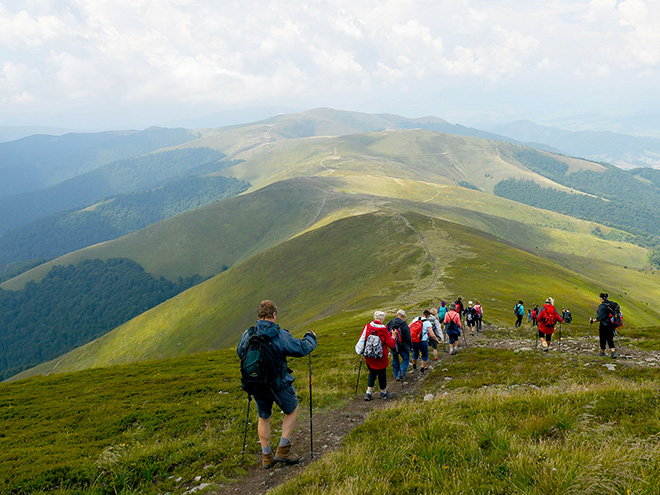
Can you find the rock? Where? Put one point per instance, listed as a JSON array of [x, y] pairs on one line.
[[610, 366], [428, 397]]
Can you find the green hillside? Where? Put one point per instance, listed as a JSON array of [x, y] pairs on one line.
[[376, 164], [113, 217], [385, 259]]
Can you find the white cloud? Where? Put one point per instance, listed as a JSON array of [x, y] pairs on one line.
[[225, 53]]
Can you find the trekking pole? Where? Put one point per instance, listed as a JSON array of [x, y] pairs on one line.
[[311, 429], [358, 380], [559, 336], [616, 334], [247, 416], [465, 339]]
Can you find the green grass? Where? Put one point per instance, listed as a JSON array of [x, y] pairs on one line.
[[499, 422], [502, 423]]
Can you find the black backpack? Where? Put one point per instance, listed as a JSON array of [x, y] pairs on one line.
[[260, 365], [615, 316]]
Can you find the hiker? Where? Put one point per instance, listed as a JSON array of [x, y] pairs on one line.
[[453, 327], [529, 316], [535, 315], [480, 314], [421, 330], [459, 308], [471, 317], [378, 366], [442, 311], [605, 326], [284, 344], [401, 335], [547, 319], [566, 315], [519, 311], [437, 330]]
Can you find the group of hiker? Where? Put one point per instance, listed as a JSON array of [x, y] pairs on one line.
[[410, 344], [264, 347]]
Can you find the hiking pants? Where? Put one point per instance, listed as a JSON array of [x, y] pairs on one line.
[[400, 369], [606, 338], [519, 320], [382, 378]]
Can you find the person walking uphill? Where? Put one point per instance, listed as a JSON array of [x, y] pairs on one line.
[[281, 391], [546, 319], [376, 340], [401, 353], [606, 327], [519, 311]]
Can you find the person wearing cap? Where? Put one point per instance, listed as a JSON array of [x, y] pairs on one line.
[[546, 320], [401, 353]]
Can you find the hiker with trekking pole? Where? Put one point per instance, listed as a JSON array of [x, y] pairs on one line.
[[609, 318], [546, 319], [373, 345], [401, 353], [263, 350]]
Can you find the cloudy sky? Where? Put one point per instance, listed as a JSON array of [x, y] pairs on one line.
[[119, 63]]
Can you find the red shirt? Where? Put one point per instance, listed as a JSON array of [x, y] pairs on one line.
[[386, 339], [552, 314]]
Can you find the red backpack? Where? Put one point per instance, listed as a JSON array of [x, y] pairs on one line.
[[416, 330], [547, 318]]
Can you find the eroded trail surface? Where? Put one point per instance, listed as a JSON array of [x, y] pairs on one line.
[[330, 428]]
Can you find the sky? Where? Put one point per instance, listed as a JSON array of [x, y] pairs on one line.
[[101, 64]]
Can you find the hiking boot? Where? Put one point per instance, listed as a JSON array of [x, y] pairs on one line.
[[614, 355], [283, 454], [601, 353], [414, 367], [385, 395], [267, 460], [422, 370], [546, 349], [368, 396]]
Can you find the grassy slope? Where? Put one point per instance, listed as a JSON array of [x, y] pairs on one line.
[[388, 259], [500, 422], [389, 164]]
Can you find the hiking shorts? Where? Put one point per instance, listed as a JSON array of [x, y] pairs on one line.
[[546, 336], [421, 348], [286, 399], [433, 344]]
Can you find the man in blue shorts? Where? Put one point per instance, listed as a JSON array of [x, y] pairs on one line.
[[284, 345]]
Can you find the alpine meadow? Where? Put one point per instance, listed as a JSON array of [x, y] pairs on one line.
[[129, 277]]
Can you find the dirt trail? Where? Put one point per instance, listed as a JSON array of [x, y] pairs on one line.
[[330, 428]]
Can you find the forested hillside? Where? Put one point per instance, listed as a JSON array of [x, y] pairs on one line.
[[74, 305], [627, 200], [124, 176], [41, 161], [61, 233]]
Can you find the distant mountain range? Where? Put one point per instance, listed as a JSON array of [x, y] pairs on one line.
[[344, 212], [605, 146]]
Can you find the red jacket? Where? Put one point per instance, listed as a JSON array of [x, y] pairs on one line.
[[386, 339], [550, 310]]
